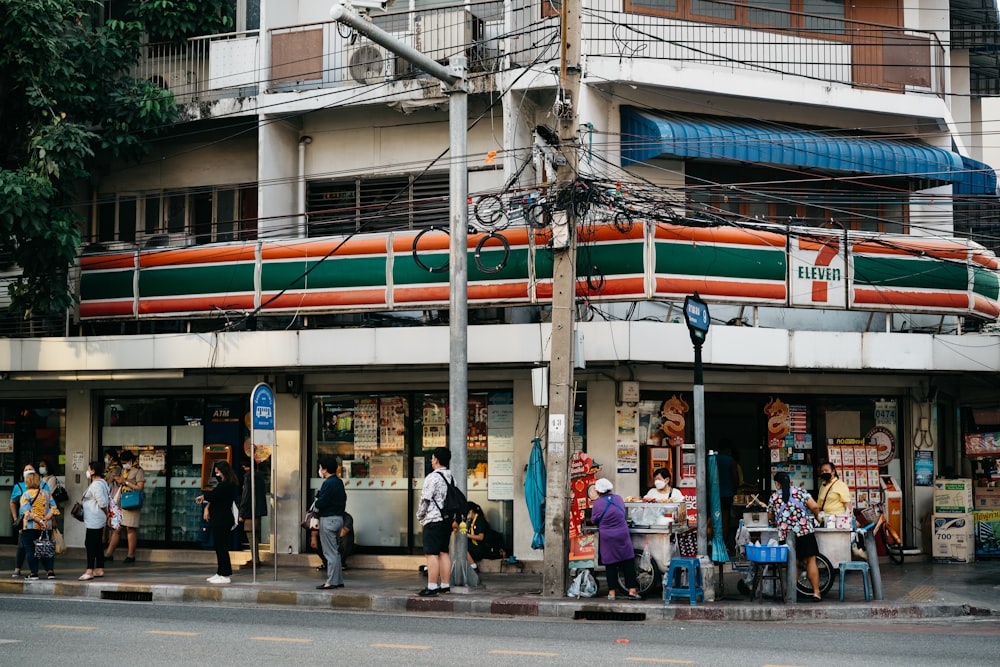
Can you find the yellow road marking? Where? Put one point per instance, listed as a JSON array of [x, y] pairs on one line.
[[415, 647], [72, 627], [538, 653], [661, 660], [174, 633], [294, 640]]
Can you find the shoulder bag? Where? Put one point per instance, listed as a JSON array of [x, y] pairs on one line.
[[44, 546], [132, 499], [311, 520]]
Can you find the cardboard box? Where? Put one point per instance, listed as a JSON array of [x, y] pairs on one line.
[[954, 538], [987, 502], [953, 496], [987, 533]]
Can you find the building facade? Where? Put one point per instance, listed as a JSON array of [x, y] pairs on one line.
[[811, 169]]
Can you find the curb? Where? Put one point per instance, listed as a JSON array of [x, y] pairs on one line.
[[496, 606]]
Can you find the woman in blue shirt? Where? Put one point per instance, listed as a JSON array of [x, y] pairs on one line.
[[36, 510]]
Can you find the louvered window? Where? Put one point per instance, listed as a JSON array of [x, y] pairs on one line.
[[377, 204]]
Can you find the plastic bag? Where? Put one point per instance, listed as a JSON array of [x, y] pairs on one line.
[[583, 586], [574, 588], [60, 542], [646, 560]]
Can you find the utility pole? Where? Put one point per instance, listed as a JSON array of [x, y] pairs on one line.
[[561, 385], [455, 86]]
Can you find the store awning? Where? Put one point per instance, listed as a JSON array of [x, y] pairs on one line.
[[979, 179], [647, 135]]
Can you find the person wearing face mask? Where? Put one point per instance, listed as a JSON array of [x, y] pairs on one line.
[[662, 491], [834, 495], [15, 509], [131, 478], [331, 504], [96, 500], [218, 512]]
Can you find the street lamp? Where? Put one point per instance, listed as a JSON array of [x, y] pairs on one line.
[[698, 320]]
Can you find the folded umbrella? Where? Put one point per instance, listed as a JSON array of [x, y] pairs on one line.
[[534, 493]]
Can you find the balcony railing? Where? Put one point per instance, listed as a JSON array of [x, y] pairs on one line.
[[204, 69], [729, 35], [738, 37], [328, 54]]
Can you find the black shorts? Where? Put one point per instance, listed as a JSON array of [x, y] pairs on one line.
[[805, 546], [437, 538]]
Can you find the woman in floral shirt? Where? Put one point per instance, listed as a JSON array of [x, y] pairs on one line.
[[789, 510]]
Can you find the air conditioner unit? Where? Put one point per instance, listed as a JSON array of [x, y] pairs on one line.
[[175, 77], [443, 34], [370, 63]]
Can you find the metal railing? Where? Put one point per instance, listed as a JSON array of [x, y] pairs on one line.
[[204, 69], [497, 35], [737, 37]]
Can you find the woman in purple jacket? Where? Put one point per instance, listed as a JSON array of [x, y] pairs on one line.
[[615, 543]]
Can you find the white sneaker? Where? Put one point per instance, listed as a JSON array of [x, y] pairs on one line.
[[221, 580], [214, 579]]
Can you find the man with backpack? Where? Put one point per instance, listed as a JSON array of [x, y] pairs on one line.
[[435, 514]]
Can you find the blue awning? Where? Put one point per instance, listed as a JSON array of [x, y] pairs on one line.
[[646, 135], [978, 179]]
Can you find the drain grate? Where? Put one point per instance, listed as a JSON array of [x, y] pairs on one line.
[[585, 615], [127, 596]]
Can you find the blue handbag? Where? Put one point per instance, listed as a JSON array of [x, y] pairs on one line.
[[132, 500]]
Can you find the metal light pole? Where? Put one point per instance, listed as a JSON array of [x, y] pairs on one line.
[[698, 320], [458, 313]]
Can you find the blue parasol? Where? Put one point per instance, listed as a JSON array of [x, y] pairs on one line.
[[719, 553], [534, 493]]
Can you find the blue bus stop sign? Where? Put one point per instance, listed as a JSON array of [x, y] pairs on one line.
[[262, 415], [697, 318]]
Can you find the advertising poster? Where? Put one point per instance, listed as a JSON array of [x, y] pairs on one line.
[[627, 440], [582, 474], [923, 467]]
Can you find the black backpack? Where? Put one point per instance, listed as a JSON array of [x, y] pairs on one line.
[[455, 504]]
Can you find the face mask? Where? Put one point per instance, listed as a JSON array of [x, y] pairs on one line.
[[42, 471], [826, 477], [88, 474], [126, 466], [107, 461], [660, 484]]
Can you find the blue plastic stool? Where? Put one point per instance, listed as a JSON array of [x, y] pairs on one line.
[[856, 566], [695, 586]]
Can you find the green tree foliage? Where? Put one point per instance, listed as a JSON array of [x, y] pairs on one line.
[[65, 97], [176, 20]]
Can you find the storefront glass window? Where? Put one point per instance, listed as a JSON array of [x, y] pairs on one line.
[[385, 442], [175, 438], [30, 431]]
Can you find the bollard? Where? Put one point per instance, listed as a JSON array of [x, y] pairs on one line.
[[871, 551], [791, 569]]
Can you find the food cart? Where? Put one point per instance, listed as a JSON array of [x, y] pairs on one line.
[[653, 525]]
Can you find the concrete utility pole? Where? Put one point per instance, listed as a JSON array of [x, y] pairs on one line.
[[458, 251], [561, 394]]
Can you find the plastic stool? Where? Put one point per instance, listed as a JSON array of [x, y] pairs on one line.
[[695, 586], [856, 566], [768, 572]]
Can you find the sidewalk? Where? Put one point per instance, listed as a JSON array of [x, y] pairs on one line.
[[916, 590]]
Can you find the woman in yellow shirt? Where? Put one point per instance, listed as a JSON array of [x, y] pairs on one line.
[[834, 496]]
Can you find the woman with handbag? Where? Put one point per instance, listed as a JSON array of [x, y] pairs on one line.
[[132, 481], [96, 500], [36, 511]]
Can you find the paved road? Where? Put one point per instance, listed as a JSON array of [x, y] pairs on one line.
[[83, 632]]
